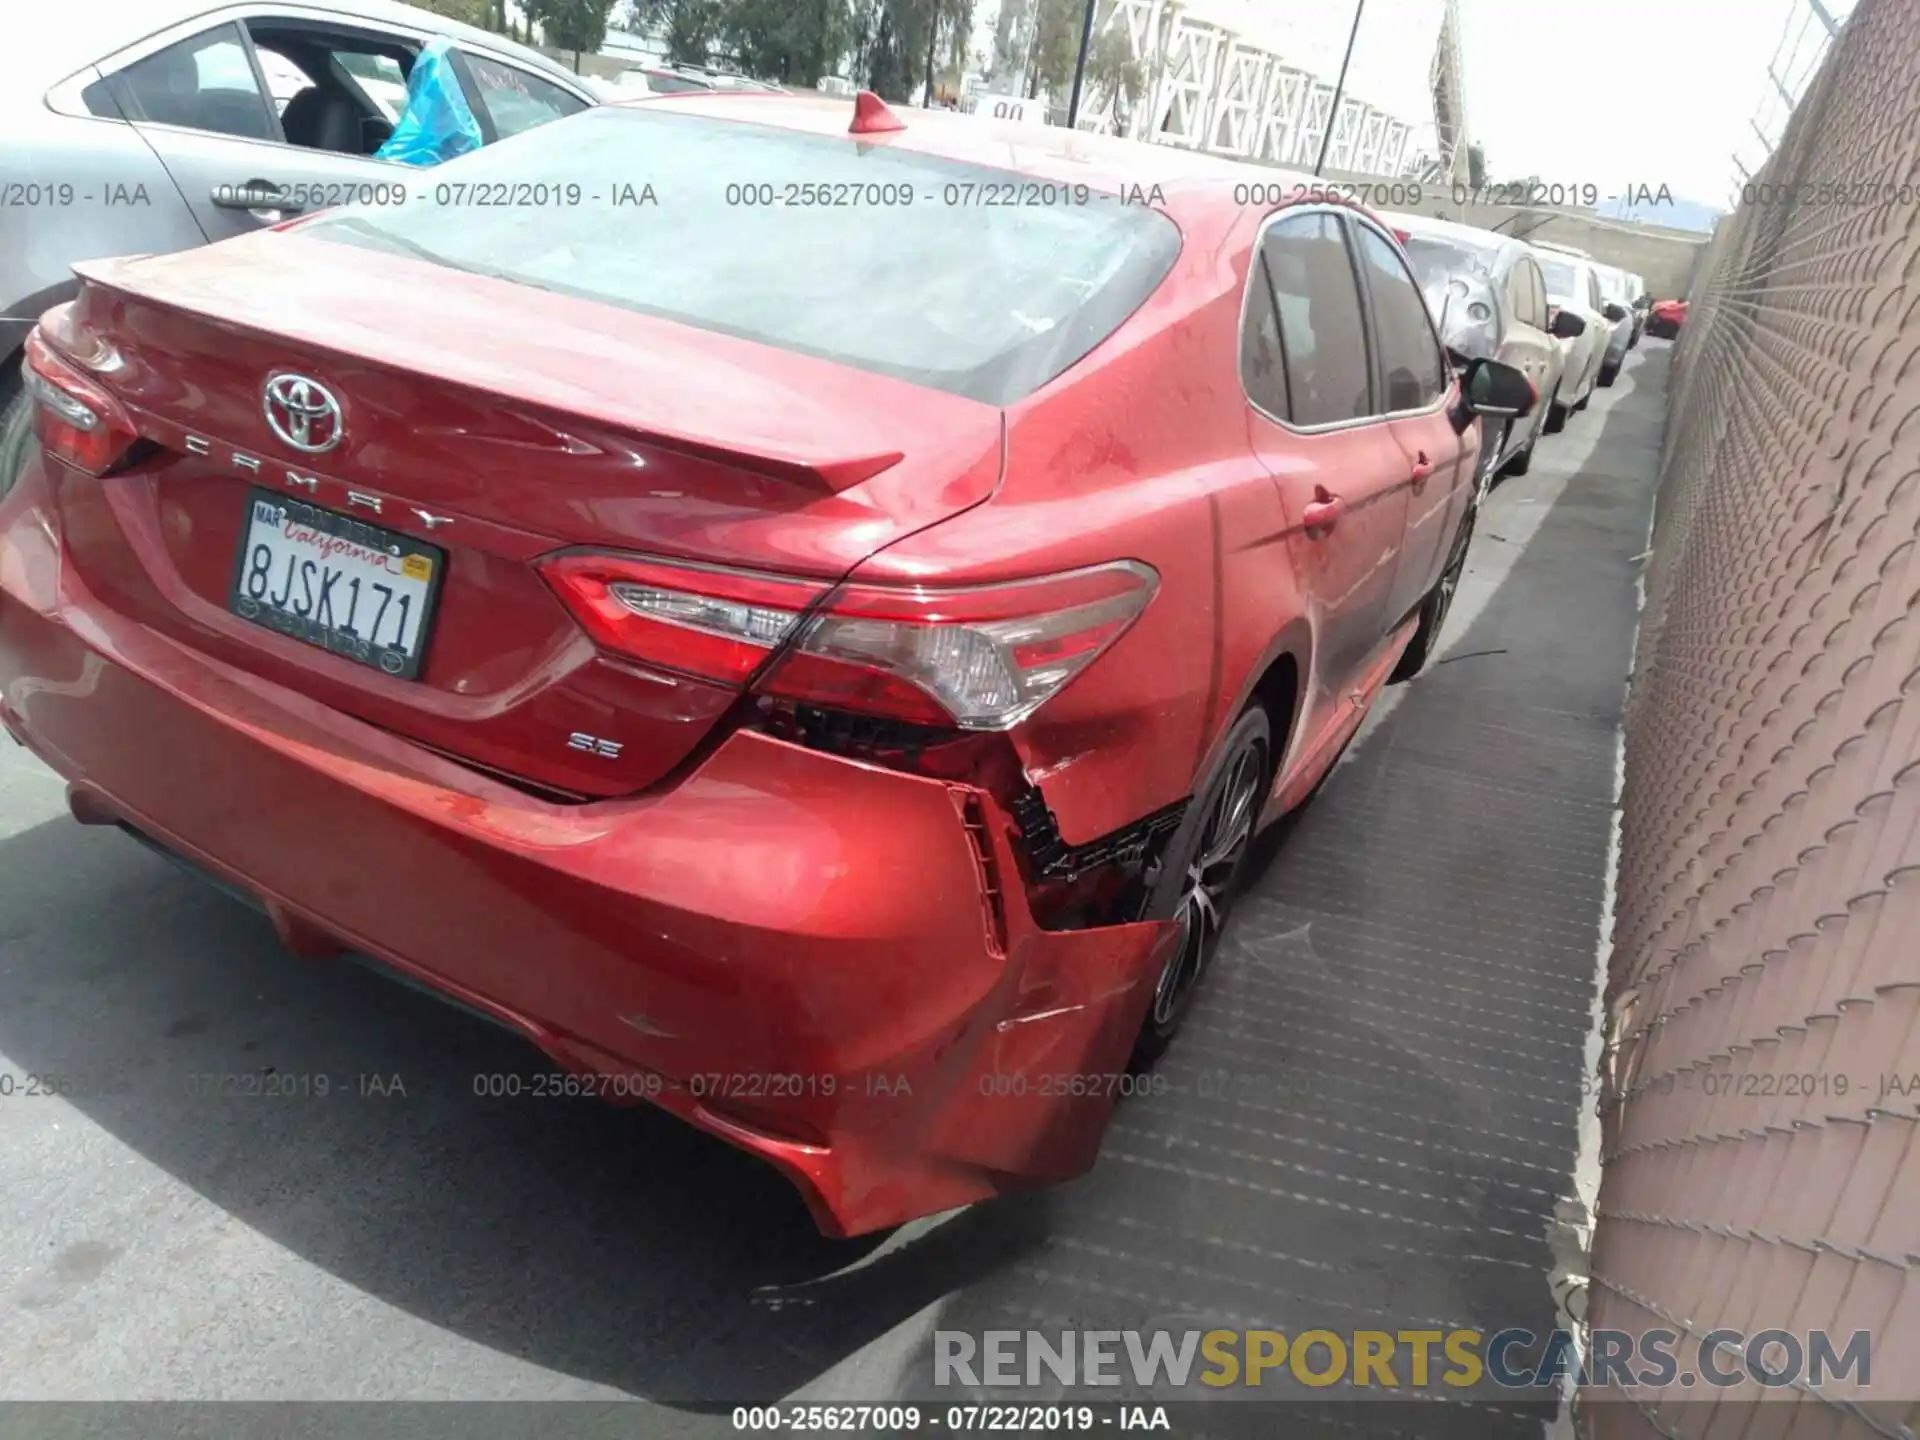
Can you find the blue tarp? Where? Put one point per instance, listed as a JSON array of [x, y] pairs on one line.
[[437, 123]]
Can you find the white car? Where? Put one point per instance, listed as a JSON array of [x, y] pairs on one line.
[[1573, 288], [1615, 289], [1639, 302]]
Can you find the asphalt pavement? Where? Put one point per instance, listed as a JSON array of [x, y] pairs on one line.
[[1406, 999]]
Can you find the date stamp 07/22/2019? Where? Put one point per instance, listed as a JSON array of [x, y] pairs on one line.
[[263, 1084]]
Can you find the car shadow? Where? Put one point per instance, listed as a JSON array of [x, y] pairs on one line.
[[616, 1245]]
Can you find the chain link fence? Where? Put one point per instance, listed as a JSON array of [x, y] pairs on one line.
[[1761, 1139]]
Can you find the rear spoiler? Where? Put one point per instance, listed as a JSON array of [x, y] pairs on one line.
[[828, 473]]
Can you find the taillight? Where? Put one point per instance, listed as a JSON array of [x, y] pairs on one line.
[[977, 658], [76, 420], [982, 658], [717, 624]]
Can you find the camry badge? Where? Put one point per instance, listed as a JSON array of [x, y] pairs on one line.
[[302, 412]]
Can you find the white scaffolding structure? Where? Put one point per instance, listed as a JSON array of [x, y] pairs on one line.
[[1238, 79]]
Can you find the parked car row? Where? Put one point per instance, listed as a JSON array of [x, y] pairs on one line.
[[1554, 313], [834, 700]]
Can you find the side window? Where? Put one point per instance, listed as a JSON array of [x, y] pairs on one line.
[[1263, 361], [380, 79], [1520, 286], [203, 83], [514, 100], [284, 78], [341, 91], [1409, 354], [1321, 331], [1519, 294]]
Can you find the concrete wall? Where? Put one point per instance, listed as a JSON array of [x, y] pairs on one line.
[[1666, 259]]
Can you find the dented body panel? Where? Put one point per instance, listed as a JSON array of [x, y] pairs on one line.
[[788, 949]]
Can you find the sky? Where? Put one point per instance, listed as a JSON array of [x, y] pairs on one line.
[[1669, 91]]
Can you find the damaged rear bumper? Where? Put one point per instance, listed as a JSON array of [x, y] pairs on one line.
[[826, 963]]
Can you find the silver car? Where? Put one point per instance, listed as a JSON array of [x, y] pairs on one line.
[[143, 126], [1489, 301], [1617, 291]]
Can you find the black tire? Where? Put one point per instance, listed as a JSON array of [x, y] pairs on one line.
[[1197, 892], [16, 427], [1521, 463], [1433, 609], [1608, 374], [1556, 418]]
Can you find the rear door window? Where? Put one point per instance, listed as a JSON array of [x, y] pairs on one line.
[[1519, 295], [379, 78], [1263, 361], [1321, 328], [1561, 279], [206, 82], [1410, 359], [512, 99]]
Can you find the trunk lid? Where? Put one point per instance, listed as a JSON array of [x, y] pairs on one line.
[[498, 423]]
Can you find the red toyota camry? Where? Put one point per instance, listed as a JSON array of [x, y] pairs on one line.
[[799, 615]]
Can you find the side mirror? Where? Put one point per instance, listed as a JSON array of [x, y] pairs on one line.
[[1566, 325], [1615, 312], [1497, 389]]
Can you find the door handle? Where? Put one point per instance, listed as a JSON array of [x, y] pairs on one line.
[[1422, 468], [254, 195], [1323, 511]]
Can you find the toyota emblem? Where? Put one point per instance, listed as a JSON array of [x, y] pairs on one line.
[[302, 412]]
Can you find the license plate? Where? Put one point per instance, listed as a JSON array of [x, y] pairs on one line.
[[336, 582]]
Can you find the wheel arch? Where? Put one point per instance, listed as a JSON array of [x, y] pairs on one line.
[[1278, 682]]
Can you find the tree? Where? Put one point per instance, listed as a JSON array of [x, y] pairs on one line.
[[793, 41], [576, 25], [1476, 167], [1055, 46], [691, 26], [1111, 68], [1009, 40], [480, 13], [896, 61]]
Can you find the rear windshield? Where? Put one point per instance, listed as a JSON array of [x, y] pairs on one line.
[[869, 255], [1436, 261], [668, 84], [1559, 277]]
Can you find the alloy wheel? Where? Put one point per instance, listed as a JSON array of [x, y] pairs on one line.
[[1206, 888]]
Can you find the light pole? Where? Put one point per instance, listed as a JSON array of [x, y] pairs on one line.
[[1080, 64], [1339, 88]]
